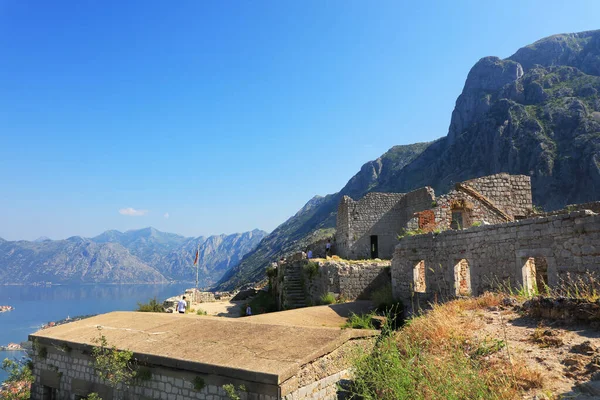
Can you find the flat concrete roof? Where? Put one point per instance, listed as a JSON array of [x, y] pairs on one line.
[[268, 348]]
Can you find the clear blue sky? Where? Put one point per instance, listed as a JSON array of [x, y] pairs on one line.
[[227, 115]]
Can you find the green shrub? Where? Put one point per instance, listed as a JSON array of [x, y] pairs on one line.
[[112, 365], [327, 298], [152, 305], [143, 374], [231, 392], [360, 321], [201, 312], [382, 297], [410, 232], [476, 223], [18, 384], [93, 396], [42, 352], [311, 269], [271, 272], [199, 383]]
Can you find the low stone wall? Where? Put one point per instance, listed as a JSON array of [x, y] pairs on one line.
[[354, 280], [68, 375], [564, 309], [193, 296], [481, 258]]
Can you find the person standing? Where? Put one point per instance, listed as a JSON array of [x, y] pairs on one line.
[[328, 248], [181, 305], [248, 310], [309, 254]]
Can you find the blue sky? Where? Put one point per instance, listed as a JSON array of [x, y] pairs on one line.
[[218, 117]]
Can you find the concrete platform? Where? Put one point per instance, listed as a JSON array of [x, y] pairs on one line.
[[267, 348]]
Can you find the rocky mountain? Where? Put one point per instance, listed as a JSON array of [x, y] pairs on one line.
[[137, 256], [535, 113]]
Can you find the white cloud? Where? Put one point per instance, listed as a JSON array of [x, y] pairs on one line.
[[132, 212], [166, 215]]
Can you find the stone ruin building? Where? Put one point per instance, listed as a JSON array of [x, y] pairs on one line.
[[369, 227], [532, 254]]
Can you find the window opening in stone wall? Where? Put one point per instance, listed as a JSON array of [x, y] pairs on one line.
[[457, 219], [535, 275], [374, 247], [462, 278], [49, 393], [419, 277], [529, 275], [541, 274], [461, 213]]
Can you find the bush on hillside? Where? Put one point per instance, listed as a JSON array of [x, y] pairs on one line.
[[151, 306]]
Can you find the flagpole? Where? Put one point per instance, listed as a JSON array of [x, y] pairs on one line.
[[197, 264]]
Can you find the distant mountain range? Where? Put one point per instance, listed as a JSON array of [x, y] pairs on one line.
[[137, 256], [535, 113]]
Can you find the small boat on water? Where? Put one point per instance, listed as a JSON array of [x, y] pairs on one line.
[[6, 308]]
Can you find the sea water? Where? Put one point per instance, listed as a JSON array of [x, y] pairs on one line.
[[38, 305]]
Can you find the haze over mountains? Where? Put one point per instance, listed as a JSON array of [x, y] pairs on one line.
[[137, 256], [535, 113]]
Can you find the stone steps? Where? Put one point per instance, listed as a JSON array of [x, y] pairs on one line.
[[293, 289]]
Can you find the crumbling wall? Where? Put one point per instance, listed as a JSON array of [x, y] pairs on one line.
[[498, 254], [510, 193], [384, 215]]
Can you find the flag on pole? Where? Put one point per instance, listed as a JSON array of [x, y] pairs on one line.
[[196, 260]]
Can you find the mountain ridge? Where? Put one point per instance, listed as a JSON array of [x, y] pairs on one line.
[[144, 255]]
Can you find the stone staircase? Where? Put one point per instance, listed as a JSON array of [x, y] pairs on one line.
[[293, 289]]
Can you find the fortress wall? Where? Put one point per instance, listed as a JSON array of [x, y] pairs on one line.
[[567, 244]]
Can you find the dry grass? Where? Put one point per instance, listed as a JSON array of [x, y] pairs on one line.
[[436, 356]]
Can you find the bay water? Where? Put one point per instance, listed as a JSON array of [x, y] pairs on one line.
[[38, 305]]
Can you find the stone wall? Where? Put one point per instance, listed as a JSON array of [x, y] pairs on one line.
[[68, 374], [511, 193], [351, 280], [377, 214], [318, 380], [490, 199], [487, 256], [71, 375]]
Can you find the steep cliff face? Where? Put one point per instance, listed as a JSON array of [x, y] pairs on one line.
[[535, 113]]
